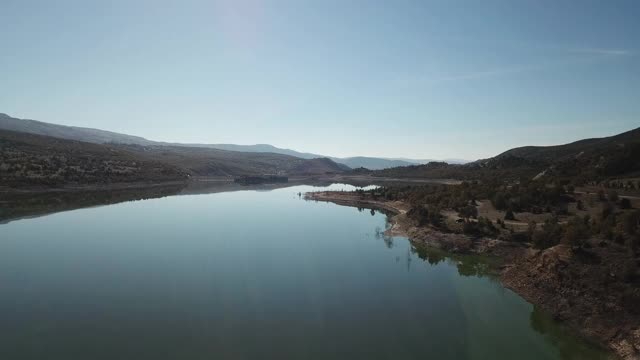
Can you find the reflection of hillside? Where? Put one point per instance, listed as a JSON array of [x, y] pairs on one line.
[[19, 205], [216, 186], [562, 338], [570, 347], [14, 206]]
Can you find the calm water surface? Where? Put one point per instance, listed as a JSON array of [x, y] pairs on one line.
[[252, 275]]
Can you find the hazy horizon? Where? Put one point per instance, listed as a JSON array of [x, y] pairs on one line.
[[410, 79]]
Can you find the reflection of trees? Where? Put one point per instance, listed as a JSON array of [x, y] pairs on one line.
[[388, 240], [387, 222], [569, 346], [467, 265], [429, 255]]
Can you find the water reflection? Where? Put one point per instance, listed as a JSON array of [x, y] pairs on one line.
[[246, 274], [381, 234], [15, 205], [570, 347], [20, 205], [467, 264], [567, 344]]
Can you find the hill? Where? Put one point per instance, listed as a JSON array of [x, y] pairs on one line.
[[68, 132], [372, 163], [582, 161], [30, 160], [102, 137]]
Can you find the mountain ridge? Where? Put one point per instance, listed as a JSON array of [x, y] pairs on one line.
[[584, 160], [99, 136], [32, 160]]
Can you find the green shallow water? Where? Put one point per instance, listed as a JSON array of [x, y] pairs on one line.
[[252, 275]]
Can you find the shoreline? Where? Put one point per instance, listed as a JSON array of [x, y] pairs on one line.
[[149, 183], [543, 278], [403, 226]]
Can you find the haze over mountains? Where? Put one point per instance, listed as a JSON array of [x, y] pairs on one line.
[[98, 136]]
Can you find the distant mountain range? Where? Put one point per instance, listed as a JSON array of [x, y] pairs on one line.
[[103, 137], [37, 160]]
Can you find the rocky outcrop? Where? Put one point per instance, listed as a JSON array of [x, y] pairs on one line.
[[585, 289]]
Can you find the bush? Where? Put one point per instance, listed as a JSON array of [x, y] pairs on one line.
[[518, 237], [550, 234], [468, 211], [509, 215], [499, 201], [576, 232], [625, 203], [628, 223], [419, 214], [483, 227]]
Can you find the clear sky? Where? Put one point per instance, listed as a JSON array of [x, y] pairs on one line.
[[419, 79]]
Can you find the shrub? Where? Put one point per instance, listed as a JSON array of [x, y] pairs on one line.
[[419, 214], [576, 232], [499, 201], [550, 234], [482, 227], [509, 215], [468, 211]]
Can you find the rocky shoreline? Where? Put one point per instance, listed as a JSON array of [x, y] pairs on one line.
[[582, 289]]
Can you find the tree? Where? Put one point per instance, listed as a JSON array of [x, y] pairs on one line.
[[499, 201], [531, 227], [576, 232], [550, 234], [625, 203], [629, 222], [434, 216], [419, 214], [468, 211], [509, 215]]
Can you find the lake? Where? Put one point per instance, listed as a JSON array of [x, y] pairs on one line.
[[253, 275]]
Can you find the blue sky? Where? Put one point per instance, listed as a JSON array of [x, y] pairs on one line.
[[420, 79]]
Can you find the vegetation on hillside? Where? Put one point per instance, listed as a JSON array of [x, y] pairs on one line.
[[30, 160], [581, 162], [562, 213]]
